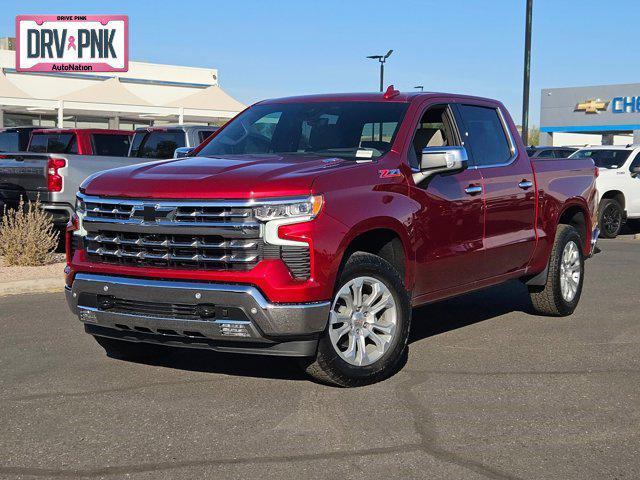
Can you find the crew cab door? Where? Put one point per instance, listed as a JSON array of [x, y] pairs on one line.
[[632, 192], [449, 219], [509, 188]]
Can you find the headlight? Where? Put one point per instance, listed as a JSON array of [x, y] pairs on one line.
[[309, 207]]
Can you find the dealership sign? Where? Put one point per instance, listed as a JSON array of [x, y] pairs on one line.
[[617, 104], [72, 43]]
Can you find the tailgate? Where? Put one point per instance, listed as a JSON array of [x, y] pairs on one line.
[[22, 173]]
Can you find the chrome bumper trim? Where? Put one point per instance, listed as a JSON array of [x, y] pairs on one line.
[[266, 320]]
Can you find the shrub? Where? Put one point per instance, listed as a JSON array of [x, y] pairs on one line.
[[27, 235]]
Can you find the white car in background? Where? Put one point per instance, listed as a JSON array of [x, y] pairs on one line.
[[618, 185]]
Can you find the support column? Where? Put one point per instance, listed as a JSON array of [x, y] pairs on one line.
[[180, 115], [636, 137], [607, 139], [60, 114], [1, 117], [546, 139], [114, 123]]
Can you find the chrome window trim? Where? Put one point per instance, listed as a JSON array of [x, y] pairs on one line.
[[505, 128]]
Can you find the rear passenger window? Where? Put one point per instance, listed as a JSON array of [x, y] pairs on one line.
[[485, 135], [111, 145]]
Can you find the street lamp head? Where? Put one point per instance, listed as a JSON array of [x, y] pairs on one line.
[[375, 57], [388, 54]]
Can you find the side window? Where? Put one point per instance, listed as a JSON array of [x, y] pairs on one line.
[[204, 134], [435, 129], [110, 145], [485, 135], [161, 144], [547, 154], [635, 163], [73, 146]]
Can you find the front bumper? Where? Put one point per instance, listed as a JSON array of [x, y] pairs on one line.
[[221, 317]]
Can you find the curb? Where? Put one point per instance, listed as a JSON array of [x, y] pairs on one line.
[[42, 285]]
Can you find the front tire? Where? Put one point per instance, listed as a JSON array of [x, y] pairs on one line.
[[560, 295], [366, 336], [610, 218]]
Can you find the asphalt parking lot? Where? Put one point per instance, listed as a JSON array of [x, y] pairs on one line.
[[489, 391]]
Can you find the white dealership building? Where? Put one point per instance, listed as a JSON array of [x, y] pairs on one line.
[[147, 94]]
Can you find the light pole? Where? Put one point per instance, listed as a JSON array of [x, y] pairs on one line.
[[381, 59], [527, 74], [421, 87]]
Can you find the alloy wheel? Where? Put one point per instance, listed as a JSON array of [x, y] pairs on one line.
[[363, 321]]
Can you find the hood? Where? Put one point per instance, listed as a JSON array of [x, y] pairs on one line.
[[246, 176]]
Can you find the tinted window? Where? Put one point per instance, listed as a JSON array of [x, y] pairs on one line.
[[486, 136], [9, 142], [204, 134], [635, 163], [110, 145], [604, 158], [334, 129], [160, 144], [547, 154], [51, 142]]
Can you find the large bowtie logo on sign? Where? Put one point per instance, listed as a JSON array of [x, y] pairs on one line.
[[72, 43]]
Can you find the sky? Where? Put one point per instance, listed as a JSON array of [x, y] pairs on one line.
[[266, 49]]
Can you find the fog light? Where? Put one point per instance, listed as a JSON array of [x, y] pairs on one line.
[[234, 330]]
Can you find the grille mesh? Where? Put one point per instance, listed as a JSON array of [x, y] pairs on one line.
[[297, 260]]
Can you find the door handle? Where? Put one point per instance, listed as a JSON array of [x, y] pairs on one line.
[[524, 184], [473, 190]]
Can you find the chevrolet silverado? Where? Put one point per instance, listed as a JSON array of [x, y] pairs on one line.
[[310, 226]]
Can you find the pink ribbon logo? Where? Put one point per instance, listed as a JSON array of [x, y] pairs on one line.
[[72, 43]]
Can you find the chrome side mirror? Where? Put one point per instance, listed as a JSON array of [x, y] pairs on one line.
[[436, 160], [182, 152]]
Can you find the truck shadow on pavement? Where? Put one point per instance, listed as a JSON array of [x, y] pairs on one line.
[[428, 321], [474, 307]]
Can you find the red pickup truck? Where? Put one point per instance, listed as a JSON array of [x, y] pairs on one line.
[[81, 141], [310, 227]]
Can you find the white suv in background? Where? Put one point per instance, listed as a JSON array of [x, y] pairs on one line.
[[618, 184]]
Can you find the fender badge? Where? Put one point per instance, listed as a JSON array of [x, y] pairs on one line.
[[389, 173]]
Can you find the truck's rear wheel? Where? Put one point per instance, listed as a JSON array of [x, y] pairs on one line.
[[610, 218], [366, 337], [124, 350], [561, 293]]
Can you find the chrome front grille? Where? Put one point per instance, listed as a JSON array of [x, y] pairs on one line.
[[138, 212], [173, 250], [216, 235]]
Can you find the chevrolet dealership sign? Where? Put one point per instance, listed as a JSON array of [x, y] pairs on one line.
[[72, 43], [618, 105], [596, 109]]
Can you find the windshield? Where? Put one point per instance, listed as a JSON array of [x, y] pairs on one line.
[[604, 158], [350, 130]]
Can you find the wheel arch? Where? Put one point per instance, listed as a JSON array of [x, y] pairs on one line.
[[384, 238], [578, 217], [616, 195]]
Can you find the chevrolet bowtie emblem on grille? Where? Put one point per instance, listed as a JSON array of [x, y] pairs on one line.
[[591, 106], [151, 213]]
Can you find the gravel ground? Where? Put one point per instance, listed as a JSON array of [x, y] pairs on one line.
[[13, 273]]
